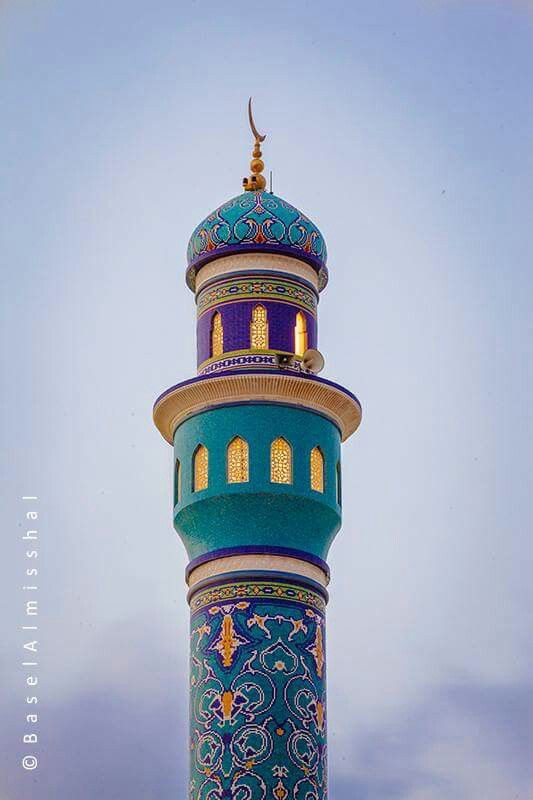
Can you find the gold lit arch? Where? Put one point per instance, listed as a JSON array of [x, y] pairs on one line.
[[316, 469], [217, 335], [280, 461], [238, 461], [259, 328], [200, 469], [300, 334]]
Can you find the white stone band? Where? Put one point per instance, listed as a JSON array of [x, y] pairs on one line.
[[266, 262], [265, 562]]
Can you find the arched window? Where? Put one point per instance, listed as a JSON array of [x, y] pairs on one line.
[[177, 482], [300, 334], [237, 461], [217, 335], [316, 469], [339, 485], [200, 468], [259, 329], [280, 461]]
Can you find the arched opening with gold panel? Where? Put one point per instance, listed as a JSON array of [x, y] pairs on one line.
[[217, 335], [259, 328], [316, 469], [237, 461], [280, 461], [300, 334], [177, 482], [200, 468]]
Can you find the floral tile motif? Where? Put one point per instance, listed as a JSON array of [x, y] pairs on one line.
[[258, 694]]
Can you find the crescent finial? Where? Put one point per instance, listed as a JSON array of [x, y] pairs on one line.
[[256, 181], [255, 132]]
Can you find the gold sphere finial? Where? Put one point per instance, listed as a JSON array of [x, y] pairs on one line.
[[256, 181]]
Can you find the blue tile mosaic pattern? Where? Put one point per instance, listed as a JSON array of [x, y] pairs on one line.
[[258, 693]]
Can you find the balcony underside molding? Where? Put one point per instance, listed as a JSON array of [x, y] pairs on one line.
[[312, 393]]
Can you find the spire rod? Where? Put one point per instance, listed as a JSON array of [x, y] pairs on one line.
[[256, 181]]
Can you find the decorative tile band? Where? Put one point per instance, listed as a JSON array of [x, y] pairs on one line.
[[224, 589], [248, 268], [244, 359], [258, 696], [257, 288]]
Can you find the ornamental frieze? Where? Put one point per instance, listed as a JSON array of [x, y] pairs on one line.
[[262, 288]]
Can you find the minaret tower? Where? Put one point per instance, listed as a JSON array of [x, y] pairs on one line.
[[257, 498]]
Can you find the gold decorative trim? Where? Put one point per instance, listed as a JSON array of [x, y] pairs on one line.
[[254, 562], [267, 262], [191, 398]]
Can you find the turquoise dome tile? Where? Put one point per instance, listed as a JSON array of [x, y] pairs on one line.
[[256, 222]]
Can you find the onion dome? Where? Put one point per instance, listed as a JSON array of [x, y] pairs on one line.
[[256, 222]]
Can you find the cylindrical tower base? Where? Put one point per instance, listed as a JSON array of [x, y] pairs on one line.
[[258, 686]]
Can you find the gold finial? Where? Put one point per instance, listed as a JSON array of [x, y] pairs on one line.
[[256, 181]]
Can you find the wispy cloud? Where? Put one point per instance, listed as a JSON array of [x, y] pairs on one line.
[[463, 741], [113, 738]]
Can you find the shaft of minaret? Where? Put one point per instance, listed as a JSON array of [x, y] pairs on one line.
[[257, 498]]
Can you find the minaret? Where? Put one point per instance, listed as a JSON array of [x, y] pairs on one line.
[[257, 498]]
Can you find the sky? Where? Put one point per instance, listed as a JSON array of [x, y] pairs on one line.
[[404, 130]]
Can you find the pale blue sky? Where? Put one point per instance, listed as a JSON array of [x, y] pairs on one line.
[[404, 130]]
